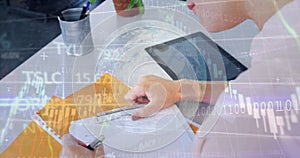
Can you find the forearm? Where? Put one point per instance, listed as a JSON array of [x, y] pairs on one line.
[[201, 91]]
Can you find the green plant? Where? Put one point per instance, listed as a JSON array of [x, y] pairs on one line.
[[92, 1], [139, 4]]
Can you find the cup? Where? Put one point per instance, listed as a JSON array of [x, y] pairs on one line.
[[76, 32]]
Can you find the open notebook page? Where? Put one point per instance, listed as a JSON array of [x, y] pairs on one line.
[[122, 133]]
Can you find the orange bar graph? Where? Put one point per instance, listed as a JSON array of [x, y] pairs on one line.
[[59, 112]]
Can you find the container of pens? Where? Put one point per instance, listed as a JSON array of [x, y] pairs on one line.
[[76, 31]]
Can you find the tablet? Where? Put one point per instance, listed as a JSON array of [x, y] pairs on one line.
[[196, 57]]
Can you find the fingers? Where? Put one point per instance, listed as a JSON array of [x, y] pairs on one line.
[[142, 100], [158, 99], [72, 149], [136, 96], [68, 139], [146, 111], [99, 152], [152, 90]]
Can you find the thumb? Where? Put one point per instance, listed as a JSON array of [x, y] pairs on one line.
[[157, 97], [71, 148], [68, 140], [154, 106], [146, 111], [99, 152]]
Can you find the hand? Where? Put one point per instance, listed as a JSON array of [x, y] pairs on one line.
[[159, 93], [74, 148], [156, 92]]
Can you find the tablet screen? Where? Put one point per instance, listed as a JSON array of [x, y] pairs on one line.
[[196, 57]]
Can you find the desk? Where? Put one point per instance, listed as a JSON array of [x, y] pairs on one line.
[[51, 67]]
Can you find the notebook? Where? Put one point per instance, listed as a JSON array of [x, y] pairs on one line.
[[56, 116], [42, 137], [122, 133]]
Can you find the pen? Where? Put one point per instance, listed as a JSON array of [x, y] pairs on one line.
[[61, 16], [84, 9], [88, 5], [120, 110], [96, 143], [87, 13]]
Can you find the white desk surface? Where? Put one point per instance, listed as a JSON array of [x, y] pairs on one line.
[[20, 98]]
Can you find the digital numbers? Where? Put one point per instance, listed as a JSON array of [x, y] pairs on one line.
[[85, 77], [274, 116], [43, 77]]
